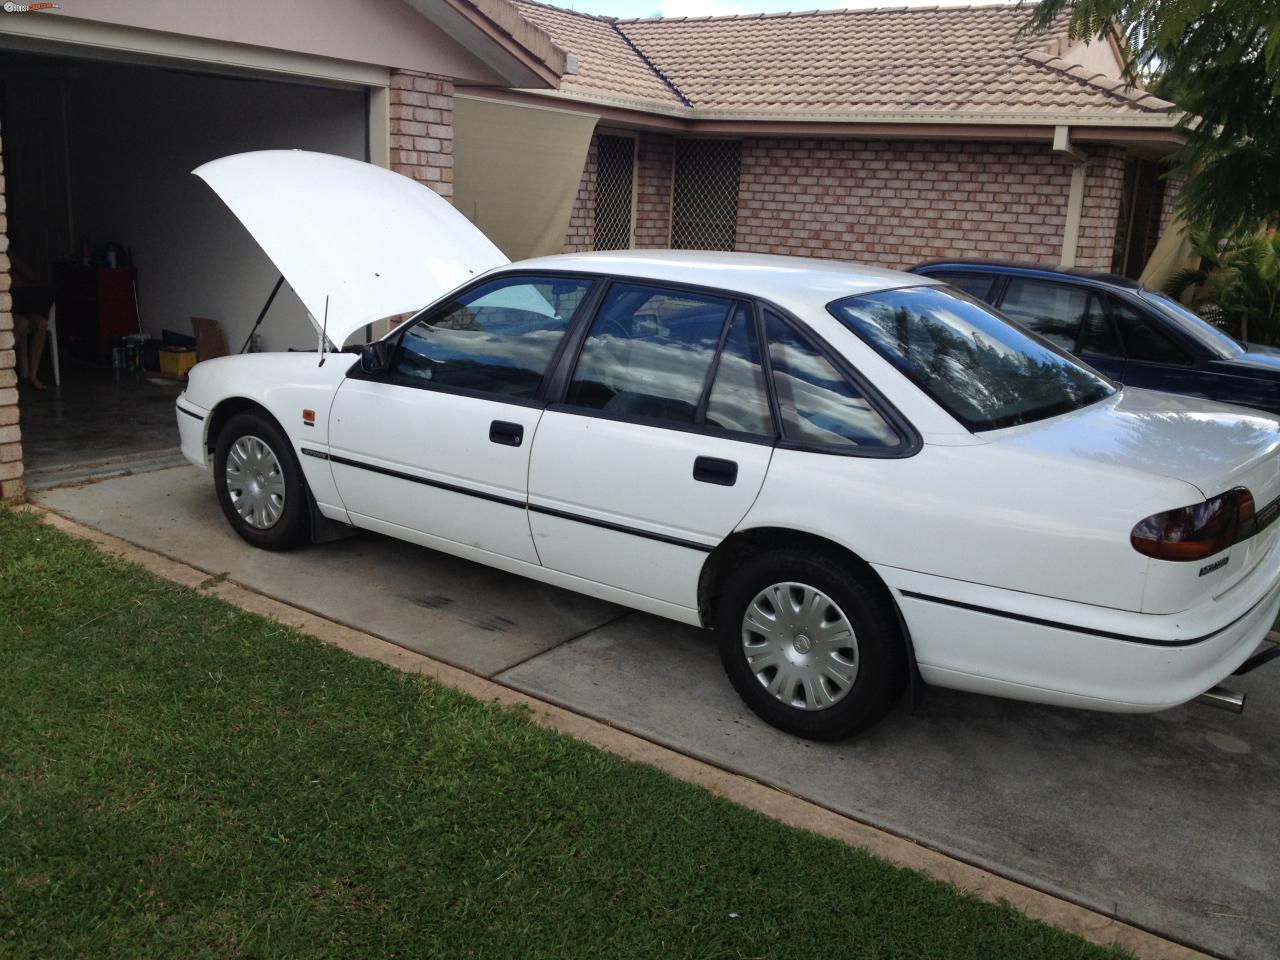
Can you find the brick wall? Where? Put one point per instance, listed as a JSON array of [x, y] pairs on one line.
[[580, 236], [422, 129], [11, 486], [1169, 208], [895, 203], [1100, 215], [653, 190]]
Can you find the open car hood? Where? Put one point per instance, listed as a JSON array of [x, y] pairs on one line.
[[372, 243]]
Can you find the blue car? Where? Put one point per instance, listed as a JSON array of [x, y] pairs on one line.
[[1135, 336]]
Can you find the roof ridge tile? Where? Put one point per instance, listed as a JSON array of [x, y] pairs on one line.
[[1121, 89], [820, 12], [644, 58], [601, 17]]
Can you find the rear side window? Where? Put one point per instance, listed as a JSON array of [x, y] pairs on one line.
[[495, 339], [738, 400], [1053, 310], [1143, 340], [975, 284], [649, 353], [818, 404]]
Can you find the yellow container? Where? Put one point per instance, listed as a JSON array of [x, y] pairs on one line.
[[176, 361]]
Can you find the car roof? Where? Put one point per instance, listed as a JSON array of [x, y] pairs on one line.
[[1078, 273], [787, 281]]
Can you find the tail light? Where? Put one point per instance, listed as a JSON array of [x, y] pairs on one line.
[[1198, 531]]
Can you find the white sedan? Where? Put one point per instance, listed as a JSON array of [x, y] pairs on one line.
[[861, 479]]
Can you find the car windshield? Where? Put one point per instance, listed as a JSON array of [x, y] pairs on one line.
[[1205, 333], [984, 370]]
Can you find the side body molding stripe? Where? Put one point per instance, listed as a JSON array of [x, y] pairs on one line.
[[508, 501], [1023, 618]]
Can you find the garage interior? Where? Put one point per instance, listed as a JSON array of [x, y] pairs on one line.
[[107, 223]]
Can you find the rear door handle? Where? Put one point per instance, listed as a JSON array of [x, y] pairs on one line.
[[506, 433], [715, 470]]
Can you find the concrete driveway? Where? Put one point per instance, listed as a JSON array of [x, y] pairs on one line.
[[1167, 821]]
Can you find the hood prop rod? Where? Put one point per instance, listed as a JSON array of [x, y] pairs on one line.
[[262, 315], [324, 330]]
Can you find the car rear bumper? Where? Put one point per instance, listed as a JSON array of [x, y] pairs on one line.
[[193, 425], [970, 637]]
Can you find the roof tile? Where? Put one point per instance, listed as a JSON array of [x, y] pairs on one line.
[[949, 60]]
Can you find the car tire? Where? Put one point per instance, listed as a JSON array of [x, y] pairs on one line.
[[264, 494], [780, 621]]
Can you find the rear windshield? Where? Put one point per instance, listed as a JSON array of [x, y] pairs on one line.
[[984, 370]]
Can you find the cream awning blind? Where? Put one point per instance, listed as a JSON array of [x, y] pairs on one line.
[[517, 170]]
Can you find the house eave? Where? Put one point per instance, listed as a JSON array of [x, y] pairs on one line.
[[520, 52], [969, 124]]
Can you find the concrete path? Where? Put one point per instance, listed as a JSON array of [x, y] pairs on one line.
[[1167, 821]]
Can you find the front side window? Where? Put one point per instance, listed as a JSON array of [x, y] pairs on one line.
[[1053, 310], [497, 338], [818, 404], [983, 370], [975, 284]]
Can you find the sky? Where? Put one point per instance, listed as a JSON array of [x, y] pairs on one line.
[[707, 8]]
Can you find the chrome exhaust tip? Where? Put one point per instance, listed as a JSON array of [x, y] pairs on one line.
[[1223, 699]]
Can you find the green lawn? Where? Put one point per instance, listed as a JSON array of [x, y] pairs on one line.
[[180, 778]]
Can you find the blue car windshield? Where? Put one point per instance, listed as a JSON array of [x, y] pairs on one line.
[[984, 370], [1206, 334]]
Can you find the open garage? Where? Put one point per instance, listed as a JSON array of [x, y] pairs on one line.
[[122, 268], [106, 218]]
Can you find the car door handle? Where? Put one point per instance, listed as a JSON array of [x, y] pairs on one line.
[[715, 470], [508, 434]]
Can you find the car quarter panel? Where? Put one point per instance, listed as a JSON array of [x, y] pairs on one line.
[[1044, 524], [1056, 652], [286, 385]]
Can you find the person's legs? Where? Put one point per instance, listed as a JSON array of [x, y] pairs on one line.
[[37, 326]]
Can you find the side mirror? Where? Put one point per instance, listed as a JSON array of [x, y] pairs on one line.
[[376, 357]]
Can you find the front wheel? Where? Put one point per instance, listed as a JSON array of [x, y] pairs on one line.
[[809, 645], [260, 484]]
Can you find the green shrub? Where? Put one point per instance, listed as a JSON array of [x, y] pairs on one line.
[[1237, 285]]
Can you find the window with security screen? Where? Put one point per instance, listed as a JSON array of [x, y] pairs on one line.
[[704, 194], [615, 191]]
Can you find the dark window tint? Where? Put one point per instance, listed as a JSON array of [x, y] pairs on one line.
[[649, 353], [984, 371], [738, 399], [1097, 333], [1053, 310], [818, 404], [978, 285], [497, 338], [1143, 340]]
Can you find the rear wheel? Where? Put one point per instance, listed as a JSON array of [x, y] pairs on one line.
[[809, 645], [259, 482]]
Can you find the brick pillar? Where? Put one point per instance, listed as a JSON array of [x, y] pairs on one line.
[[655, 155], [581, 233], [1169, 206], [11, 485], [1100, 213], [422, 129]]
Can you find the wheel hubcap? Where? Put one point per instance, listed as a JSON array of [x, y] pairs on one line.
[[255, 482], [800, 646]]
